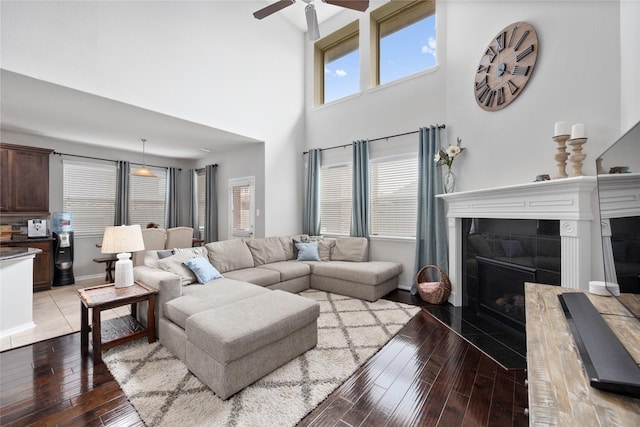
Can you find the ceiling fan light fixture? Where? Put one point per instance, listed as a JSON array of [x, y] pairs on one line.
[[143, 170], [313, 31]]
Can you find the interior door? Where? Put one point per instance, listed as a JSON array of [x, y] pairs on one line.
[[242, 213]]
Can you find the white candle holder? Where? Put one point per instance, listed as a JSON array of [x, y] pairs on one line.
[[577, 157], [561, 156]]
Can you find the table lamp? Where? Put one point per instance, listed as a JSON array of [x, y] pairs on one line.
[[122, 240]]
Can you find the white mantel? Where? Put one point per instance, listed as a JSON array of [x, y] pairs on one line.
[[572, 201]]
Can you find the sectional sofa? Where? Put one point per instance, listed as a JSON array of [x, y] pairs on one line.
[[248, 320]]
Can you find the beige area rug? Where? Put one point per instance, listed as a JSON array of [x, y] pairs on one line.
[[165, 393]]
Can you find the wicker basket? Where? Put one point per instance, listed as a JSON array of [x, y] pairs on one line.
[[441, 294]]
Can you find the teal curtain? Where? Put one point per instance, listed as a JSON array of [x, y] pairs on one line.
[[311, 218], [211, 204], [122, 193], [431, 230], [360, 190], [172, 205], [193, 202]]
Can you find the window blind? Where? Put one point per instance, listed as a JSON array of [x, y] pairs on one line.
[[89, 193], [335, 199], [147, 198], [393, 187]]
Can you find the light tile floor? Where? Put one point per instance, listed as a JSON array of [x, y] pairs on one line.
[[57, 312]]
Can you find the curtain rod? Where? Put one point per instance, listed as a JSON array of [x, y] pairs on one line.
[[106, 160], [375, 139]]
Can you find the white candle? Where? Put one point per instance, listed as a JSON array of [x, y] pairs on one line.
[[577, 131], [561, 129]]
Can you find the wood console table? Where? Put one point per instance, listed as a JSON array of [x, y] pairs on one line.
[[559, 390]]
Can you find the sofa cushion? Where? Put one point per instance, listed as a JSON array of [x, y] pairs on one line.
[[235, 330], [229, 255], [354, 249], [174, 264], [325, 246], [288, 269], [257, 276], [196, 299], [368, 273], [202, 268], [266, 250], [307, 251]]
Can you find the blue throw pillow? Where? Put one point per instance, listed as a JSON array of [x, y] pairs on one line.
[[308, 251], [202, 268]]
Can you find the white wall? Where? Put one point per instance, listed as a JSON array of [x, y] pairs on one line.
[[208, 62], [630, 63], [577, 79]]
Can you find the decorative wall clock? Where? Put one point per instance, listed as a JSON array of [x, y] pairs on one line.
[[506, 66]]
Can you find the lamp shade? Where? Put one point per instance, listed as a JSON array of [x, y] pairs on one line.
[[143, 171], [122, 238]]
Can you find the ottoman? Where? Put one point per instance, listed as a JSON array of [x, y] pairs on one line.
[[232, 346]]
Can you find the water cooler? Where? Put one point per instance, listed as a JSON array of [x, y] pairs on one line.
[[62, 248]]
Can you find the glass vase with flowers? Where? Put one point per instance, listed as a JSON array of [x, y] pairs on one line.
[[446, 157]]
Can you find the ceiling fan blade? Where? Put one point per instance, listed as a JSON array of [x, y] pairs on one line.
[[313, 30], [272, 8], [360, 5]]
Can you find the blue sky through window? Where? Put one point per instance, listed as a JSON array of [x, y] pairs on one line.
[[342, 77], [408, 50]]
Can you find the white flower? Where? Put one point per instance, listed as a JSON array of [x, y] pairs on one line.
[[453, 150], [436, 158]]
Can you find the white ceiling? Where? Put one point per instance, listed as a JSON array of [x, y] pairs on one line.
[[42, 108], [295, 12], [37, 107]]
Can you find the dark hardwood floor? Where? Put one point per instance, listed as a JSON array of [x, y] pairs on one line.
[[425, 376]]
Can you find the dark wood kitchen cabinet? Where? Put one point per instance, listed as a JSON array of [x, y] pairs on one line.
[[24, 180]]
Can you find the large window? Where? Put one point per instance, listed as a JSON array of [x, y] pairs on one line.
[[405, 33], [89, 193], [335, 199], [337, 65], [147, 198], [393, 192]]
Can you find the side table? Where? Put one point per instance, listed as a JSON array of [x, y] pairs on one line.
[[113, 332]]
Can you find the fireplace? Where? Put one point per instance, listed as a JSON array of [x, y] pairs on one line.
[[499, 255], [501, 290], [567, 202]]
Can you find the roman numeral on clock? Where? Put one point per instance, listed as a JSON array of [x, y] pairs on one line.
[[524, 53], [513, 34], [484, 93], [490, 98], [490, 53], [512, 87], [522, 37], [500, 41], [482, 83], [519, 70], [500, 96], [482, 68]]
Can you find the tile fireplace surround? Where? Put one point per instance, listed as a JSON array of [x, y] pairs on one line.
[[573, 201]]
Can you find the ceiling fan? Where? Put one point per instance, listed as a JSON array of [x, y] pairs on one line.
[[310, 12]]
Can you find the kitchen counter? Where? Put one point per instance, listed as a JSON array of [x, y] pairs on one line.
[[25, 239], [16, 289], [9, 252]]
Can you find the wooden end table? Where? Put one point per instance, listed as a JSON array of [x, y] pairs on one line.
[[113, 332]]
